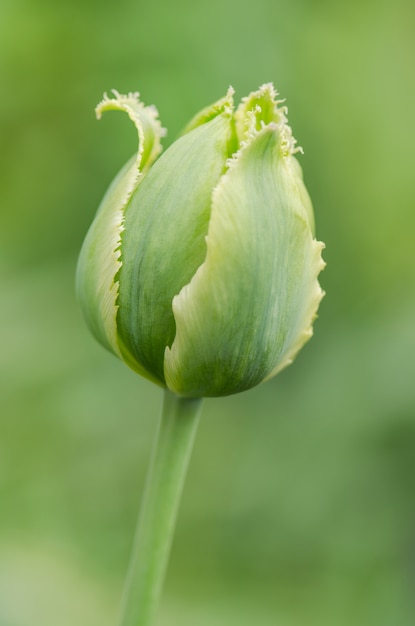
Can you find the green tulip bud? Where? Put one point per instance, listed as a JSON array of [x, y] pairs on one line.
[[200, 268]]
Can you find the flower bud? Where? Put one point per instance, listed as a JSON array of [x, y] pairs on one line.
[[200, 268]]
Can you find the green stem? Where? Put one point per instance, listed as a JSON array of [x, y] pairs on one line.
[[159, 507]]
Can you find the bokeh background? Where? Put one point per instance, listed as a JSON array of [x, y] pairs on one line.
[[299, 509]]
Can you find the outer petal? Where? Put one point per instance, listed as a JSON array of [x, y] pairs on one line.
[[250, 305], [164, 239], [99, 261]]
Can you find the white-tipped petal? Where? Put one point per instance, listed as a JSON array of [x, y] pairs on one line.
[[100, 259]]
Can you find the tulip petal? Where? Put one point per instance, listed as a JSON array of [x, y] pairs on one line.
[[257, 110], [164, 239], [145, 119], [250, 305], [100, 259], [224, 104], [260, 109]]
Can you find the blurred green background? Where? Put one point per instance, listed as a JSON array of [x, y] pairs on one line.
[[299, 509]]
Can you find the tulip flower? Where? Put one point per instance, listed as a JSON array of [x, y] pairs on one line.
[[200, 271], [200, 268]]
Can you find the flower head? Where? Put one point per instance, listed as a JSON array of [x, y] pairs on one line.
[[200, 268]]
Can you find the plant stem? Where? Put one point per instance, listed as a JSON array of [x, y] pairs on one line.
[[165, 479]]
